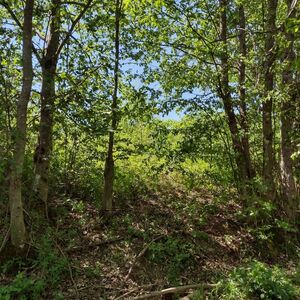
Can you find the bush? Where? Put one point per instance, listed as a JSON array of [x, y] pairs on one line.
[[256, 281], [175, 252], [50, 267], [50, 262], [22, 288]]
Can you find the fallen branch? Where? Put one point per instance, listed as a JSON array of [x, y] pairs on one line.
[[175, 290], [126, 294], [101, 243]]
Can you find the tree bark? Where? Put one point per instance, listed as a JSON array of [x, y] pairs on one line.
[[268, 152], [224, 91], [109, 162], [287, 116], [44, 147], [17, 224], [242, 93]]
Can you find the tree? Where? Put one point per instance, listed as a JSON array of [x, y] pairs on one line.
[[109, 161], [10, 77], [242, 92], [17, 225], [287, 115], [48, 63], [242, 156], [267, 108]]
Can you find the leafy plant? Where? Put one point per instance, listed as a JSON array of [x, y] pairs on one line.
[[175, 252], [256, 281], [22, 288], [50, 262]]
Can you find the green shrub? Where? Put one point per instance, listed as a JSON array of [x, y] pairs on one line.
[[174, 252], [256, 281], [49, 268], [137, 175], [50, 262], [22, 288]]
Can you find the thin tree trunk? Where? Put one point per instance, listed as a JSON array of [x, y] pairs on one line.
[[43, 151], [287, 117], [268, 152], [242, 93], [109, 162], [227, 100], [44, 147], [17, 224]]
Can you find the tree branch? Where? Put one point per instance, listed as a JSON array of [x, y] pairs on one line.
[[74, 23], [14, 17], [74, 3]]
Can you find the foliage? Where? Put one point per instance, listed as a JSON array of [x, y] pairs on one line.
[[49, 266], [257, 281], [266, 225], [23, 288], [50, 262], [175, 252]]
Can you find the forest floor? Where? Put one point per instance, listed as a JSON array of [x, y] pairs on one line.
[[168, 238]]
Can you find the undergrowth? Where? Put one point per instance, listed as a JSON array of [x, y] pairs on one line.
[[36, 277], [174, 253], [256, 280]]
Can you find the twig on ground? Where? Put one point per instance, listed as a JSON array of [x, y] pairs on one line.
[[141, 254], [126, 294], [134, 290], [101, 243]]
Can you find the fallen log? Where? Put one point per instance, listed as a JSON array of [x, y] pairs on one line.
[[174, 290]]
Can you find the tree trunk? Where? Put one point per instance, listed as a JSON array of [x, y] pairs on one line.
[[268, 152], [17, 224], [44, 147], [109, 162], [242, 93], [287, 117], [49, 64], [224, 91]]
